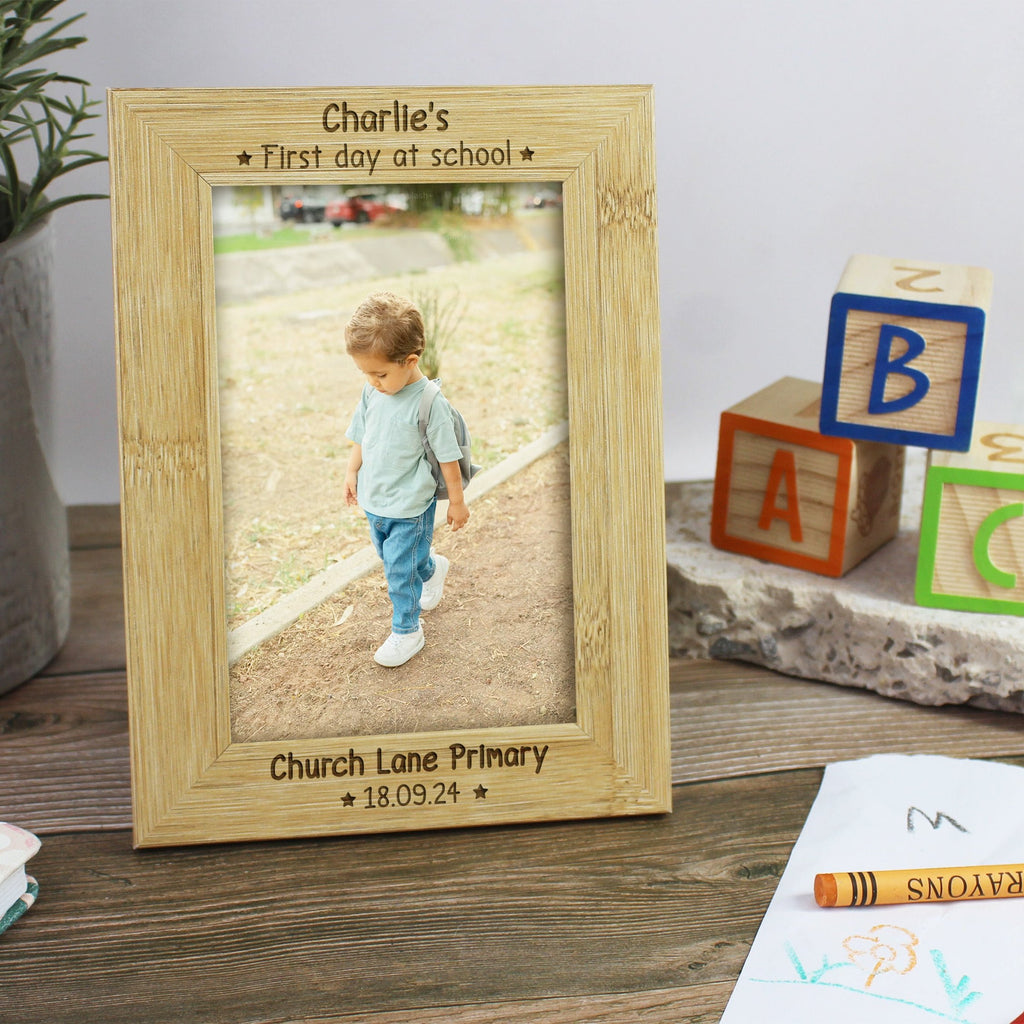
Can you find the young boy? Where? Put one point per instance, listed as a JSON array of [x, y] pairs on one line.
[[388, 473]]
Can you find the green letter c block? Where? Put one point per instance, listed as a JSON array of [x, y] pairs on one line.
[[982, 539]]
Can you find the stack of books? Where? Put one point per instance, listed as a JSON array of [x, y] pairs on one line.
[[18, 889]]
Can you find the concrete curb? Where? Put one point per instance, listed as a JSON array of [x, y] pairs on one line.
[[289, 609]]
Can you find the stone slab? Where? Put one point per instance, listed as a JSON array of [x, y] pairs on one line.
[[861, 630]]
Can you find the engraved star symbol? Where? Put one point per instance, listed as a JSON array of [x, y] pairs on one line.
[[348, 800], [526, 154], [244, 158], [480, 792]]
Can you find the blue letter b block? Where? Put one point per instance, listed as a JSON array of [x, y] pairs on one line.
[[886, 365], [901, 370]]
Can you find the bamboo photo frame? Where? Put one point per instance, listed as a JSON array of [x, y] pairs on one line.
[[191, 783]]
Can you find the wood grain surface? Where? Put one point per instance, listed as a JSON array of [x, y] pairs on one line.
[[612, 920]]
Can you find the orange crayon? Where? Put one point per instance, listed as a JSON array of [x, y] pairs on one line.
[[928, 885]]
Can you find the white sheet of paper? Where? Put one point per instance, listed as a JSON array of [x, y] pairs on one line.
[[956, 961]]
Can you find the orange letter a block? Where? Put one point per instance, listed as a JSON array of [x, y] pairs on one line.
[[783, 471], [786, 493]]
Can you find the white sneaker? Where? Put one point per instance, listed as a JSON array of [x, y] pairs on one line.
[[399, 648], [433, 589]]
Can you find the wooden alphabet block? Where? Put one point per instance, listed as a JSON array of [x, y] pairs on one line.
[[786, 493], [904, 352], [971, 555]]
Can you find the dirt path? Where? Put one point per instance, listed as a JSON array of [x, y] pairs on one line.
[[499, 647]]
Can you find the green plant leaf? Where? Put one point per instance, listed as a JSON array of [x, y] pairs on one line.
[[30, 116]]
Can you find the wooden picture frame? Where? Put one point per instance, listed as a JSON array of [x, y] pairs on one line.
[[190, 782]]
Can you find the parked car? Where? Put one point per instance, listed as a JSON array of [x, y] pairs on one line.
[[358, 209], [302, 209]]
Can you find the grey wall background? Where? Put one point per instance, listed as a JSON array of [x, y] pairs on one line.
[[790, 135]]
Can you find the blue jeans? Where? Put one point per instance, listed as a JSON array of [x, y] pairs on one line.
[[404, 547]]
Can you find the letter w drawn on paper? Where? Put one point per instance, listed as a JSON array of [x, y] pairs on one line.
[[939, 816]]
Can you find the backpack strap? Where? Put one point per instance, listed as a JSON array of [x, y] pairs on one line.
[[430, 391]]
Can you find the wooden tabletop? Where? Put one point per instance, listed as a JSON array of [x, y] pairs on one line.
[[614, 921]]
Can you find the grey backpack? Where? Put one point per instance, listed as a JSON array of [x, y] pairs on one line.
[[468, 468]]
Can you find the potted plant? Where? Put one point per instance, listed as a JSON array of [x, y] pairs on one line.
[[40, 140]]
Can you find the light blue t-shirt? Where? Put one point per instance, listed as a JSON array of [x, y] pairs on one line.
[[395, 478]]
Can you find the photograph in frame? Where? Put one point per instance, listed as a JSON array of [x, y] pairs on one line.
[[306, 595], [195, 778]]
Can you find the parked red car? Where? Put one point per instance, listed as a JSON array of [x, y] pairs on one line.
[[358, 209]]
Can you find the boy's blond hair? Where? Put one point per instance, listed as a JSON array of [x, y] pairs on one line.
[[386, 325]]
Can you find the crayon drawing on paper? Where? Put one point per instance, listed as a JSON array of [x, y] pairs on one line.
[[901, 963]]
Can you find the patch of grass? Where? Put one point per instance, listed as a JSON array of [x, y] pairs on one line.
[[279, 239], [550, 280], [291, 574], [289, 236], [452, 228]]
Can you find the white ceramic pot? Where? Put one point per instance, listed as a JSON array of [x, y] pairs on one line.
[[35, 591]]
